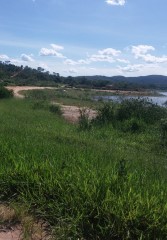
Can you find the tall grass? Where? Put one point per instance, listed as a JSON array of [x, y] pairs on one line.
[[97, 184]]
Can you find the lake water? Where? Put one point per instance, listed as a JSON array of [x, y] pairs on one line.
[[160, 100]]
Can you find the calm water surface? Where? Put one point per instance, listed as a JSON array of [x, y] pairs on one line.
[[160, 100]]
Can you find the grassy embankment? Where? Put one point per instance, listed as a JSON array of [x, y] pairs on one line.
[[78, 97], [103, 183]]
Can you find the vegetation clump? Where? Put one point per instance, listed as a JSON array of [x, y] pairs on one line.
[[141, 109], [84, 121], [105, 114], [55, 108], [163, 131], [130, 115], [5, 93]]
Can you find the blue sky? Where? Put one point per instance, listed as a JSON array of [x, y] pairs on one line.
[[86, 37]]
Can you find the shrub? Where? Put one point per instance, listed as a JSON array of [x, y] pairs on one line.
[[163, 130], [38, 105], [55, 108], [105, 114], [133, 125], [84, 122], [140, 109], [5, 93]]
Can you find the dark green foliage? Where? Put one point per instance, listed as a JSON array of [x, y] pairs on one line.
[[40, 104], [84, 121], [163, 131], [133, 125], [5, 93], [105, 114], [140, 109], [130, 115], [55, 108]]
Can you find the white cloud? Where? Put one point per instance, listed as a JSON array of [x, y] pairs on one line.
[[70, 62], [105, 55], [116, 2], [109, 52], [54, 51], [79, 62], [56, 47], [4, 57], [141, 52], [50, 52], [153, 59], [27, 58], [101, 58]]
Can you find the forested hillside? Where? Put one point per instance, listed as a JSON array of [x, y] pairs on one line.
[[19, 75]]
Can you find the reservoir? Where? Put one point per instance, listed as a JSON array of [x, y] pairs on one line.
[[159, 100]]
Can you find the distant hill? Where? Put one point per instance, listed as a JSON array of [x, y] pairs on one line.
[[19, 75], [153, 81]]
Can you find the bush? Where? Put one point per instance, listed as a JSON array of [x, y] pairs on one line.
[[84, 122], [133, 125], [140, 109], [163, 130], [38, 105], [5, 93], [105, 114], [55, 109]]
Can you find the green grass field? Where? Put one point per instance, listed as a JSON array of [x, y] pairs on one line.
[[102, 183]]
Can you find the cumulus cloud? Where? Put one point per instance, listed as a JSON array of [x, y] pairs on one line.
[[141, 52], [53, 51], [109, 52], [27, 58], [116, 2], [153, 59], [56, 47], [4, 57], [105, 55], [79, 62]]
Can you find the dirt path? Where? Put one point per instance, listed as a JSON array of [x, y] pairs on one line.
[[17, 89], [70, 113]]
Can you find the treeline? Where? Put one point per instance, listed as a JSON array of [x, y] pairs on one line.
[[19, 75]]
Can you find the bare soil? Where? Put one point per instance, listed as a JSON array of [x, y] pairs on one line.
[[70, 113], [17, 89], [25, 228]]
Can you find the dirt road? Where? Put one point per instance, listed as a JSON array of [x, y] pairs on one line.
[[17, 89], [70, 113]]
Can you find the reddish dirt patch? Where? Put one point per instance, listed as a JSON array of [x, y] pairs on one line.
[[72, 113]]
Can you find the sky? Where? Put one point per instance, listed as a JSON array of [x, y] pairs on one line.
[[85, 37]]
